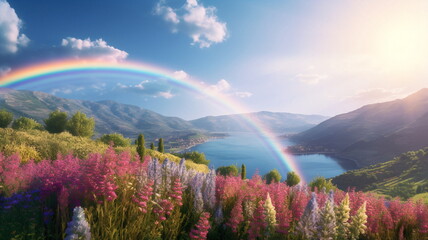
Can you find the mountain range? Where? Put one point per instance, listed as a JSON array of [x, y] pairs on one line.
[[131, 120], [373, 133], [278, 122]]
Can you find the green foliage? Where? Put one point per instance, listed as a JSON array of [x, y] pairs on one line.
[[56, 122], [161, 148], [196, 157], [322, 184], [24, 123], [24, 151], [403, 176], [231, 170], [141, 149], [292, 179], [402, 190], [5, 118], [272, 177], [243, 172], [80, 125], [152, 146], [117, 139], [46, 145]]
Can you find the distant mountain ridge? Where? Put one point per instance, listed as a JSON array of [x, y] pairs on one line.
[[109, 116], [277, 122], [374, 133], [131, 120]]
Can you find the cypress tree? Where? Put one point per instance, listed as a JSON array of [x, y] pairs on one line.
[[152, 146], [243, 172], [160, 146], [141, 150]]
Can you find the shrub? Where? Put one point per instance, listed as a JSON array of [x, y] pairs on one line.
[[231, 170], [322, 184], [196, 157], [292, 179], [5, 118], [24, 123], [117, 139], [273, 177]]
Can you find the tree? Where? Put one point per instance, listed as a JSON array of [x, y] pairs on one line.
[[273, 176], [292, 179], [160, 146], [5, 118], [152, 146], [80, 125], [322, 184], [141, 149], [196, 157], [24, 123], [231, 170], [117, 139], [243, 172], [56, 122]]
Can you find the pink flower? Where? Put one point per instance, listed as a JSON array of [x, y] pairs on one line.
[[200, 230]]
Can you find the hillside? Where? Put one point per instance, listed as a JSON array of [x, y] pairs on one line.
[[39, 145], [278, 122], [403, 176], [374, 133], [109, 116]]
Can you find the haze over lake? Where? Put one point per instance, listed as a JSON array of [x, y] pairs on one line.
[[249, 149]]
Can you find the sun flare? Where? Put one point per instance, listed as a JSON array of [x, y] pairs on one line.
[[403, 46]]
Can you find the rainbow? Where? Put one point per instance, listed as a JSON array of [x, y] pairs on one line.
[[71, 67]]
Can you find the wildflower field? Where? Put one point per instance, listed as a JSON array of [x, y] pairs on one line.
[[117, 196]]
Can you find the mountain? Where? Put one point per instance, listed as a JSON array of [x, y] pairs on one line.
[[403, 176], [109, 116], [373, 133], [278, 122]]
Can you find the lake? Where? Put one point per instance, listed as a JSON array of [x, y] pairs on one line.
[[249, 149]]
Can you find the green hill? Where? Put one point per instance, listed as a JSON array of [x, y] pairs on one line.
[[39, 145], [404, 176]]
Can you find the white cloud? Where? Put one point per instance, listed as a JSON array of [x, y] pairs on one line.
[[376, 95], [199, 22], [310, 79], [10, 26], [98, 49], [4, 71], [243, 94], [221, 86], [166, 95], [180, 75], [166, 12]]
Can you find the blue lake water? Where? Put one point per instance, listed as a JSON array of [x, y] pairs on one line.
[[249, 149]]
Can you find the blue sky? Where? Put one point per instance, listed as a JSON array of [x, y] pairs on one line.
[[312, 57]]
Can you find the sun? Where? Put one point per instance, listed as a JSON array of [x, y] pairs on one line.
[[402, 46]]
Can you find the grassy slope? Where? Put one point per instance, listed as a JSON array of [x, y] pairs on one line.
[[403, 176], [39, 145]]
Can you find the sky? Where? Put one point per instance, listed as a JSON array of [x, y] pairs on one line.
[[311, 57]]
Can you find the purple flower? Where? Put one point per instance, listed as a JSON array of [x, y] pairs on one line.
[[78, 227]]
